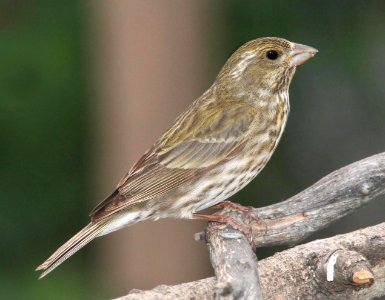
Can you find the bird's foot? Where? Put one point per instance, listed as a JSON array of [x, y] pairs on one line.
[[226, 220], [247, 211]]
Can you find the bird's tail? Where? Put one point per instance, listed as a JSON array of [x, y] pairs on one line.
[[82, 238]]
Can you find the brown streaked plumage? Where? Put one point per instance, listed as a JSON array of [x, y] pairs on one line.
[[216, 147]]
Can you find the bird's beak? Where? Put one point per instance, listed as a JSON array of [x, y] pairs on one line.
[[300, 54]]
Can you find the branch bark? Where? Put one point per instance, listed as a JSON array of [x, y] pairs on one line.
[[347, 266], [235, 265], [307, 271], [328, 200]]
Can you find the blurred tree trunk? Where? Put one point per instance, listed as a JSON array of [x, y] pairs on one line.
[[151, 56]]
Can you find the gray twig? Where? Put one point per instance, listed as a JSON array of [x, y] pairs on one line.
[[331, 198], [306, 271], [356, 260], [235, 265]]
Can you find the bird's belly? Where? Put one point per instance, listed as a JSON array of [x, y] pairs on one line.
[[218, 185], [221, 182]]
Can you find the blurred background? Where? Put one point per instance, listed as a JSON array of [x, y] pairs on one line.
[[87, 86]]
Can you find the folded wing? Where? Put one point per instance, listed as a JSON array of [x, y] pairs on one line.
[[198, 141]]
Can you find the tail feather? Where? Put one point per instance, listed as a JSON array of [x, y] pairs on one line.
[[82, 238]]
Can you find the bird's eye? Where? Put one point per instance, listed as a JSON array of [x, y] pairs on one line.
[[272, 54]]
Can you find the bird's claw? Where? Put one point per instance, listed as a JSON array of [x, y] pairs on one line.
[[224, 220], [247, 211]]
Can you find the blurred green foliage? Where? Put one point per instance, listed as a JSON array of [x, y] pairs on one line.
[[43, 128]]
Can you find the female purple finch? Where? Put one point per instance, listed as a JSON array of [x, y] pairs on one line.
[[214, 149]]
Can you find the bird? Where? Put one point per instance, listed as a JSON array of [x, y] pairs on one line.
[[212, 150]]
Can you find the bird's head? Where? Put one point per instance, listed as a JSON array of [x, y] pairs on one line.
[[266, 63]]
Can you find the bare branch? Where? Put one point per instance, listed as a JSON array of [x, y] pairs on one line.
[[299, 273], [201, 289], [342, 267], [331, 198], [235, 265]]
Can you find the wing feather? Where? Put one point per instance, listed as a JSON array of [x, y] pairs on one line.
[[205, 138]]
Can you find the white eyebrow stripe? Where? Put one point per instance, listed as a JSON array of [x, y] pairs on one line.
[[242, 64]]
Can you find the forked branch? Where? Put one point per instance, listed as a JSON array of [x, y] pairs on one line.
[[350, 266], [331, 198]]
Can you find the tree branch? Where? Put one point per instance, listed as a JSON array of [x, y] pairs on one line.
[[235, 265], [331, 198], [335, 268], [349, 266]]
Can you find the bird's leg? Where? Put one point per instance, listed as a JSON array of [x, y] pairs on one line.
[[228, 205], [245, 229], [248, 211]]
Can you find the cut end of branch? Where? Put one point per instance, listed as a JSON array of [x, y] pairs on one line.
[[200, 236], [347, 267], [362, 277]]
